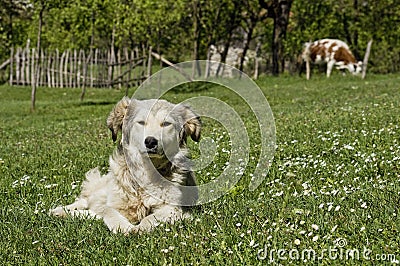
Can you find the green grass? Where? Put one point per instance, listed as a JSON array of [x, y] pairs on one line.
[[335, 179]]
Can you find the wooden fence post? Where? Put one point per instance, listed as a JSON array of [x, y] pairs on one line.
[[71, 68], [42, 68], [65, 75], [33, 81], [118, 62], [12, 66], [33, 67], [54, 76], [49, 55], [17, 66], [96, 53], [84, 72], [149, 63], [110, 64], [365, 62], [126, 53], [29, 66], [91, 67], [22, 71], [78, 70]]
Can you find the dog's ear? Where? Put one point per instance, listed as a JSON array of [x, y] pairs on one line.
[[192, 126], [116, 117]]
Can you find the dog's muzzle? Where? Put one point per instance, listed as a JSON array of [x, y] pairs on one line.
[[151, 144]]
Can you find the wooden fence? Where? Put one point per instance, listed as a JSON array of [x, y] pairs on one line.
[[79, 68]]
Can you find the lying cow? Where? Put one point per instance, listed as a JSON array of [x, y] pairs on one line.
[[331, 52]]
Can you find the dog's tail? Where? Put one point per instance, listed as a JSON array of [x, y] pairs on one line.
[[93, 174], [92, 180]]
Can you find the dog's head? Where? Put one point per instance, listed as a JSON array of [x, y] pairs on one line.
[[156, 128]]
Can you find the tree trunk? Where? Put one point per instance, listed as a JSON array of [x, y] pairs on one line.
[[111, 59], [36, 69], [211, 38], [234, 22], [196, 38], [256, 63], [355, 33], [224, 54], [252, 24], [280, 15]]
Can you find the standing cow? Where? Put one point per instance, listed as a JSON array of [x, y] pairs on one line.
[[331, 52]]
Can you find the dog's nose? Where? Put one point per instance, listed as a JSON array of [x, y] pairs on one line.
[[151, 142]]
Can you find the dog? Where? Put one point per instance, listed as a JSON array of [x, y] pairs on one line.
[[150, 180]]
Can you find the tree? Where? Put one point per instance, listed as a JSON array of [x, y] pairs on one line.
[[251, 15], [279, 11], [229, 22], [185, 29], [14, 16], [196, 36], [41, 8]]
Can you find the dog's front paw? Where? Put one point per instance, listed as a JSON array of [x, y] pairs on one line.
[[58, 212], [125, 229], [132, 230]]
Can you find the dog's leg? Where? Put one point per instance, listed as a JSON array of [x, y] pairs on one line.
[[164, 214], [116, 222], [84, 214], [73, 209]]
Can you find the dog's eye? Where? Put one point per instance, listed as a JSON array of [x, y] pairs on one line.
[[165, 124], [142, 123]]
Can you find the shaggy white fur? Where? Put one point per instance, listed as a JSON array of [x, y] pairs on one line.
[[150, 179]]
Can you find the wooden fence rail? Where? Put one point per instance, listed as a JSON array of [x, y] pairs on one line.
[[79, 68]]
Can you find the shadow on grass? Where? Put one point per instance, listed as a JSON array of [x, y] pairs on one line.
[[192, 87], [95, 103]]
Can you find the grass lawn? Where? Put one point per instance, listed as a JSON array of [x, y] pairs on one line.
[[332, 194]]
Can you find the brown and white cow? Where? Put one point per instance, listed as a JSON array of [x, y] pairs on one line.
[[331, 52]]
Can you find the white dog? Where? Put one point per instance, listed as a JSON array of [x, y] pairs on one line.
[[150, 179]]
